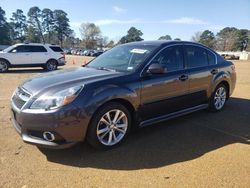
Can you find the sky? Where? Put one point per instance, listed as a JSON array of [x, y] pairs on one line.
[[155, 18]]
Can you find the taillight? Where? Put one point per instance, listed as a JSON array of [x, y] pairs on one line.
[[233, 67], [63, 55]]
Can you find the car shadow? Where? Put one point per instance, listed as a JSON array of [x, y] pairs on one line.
[[182, 139]]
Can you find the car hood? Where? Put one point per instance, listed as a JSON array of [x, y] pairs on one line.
[[70, 76]]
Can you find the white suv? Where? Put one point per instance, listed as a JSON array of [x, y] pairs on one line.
[[47, 56]]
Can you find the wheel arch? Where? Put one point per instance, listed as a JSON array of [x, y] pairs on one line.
[[222, 78], [127, 104], [52, 59], [6, 60]]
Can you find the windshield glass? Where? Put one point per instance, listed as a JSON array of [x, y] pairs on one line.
[[124, 58], [8, 49]]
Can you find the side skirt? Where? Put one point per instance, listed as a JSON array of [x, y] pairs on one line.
[[173, 115]]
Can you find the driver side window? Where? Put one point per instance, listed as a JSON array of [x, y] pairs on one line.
[[171, 58]]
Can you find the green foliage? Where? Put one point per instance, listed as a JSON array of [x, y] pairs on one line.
[[207, 38], [166, 37], [47, 24], [35, 16], [4, 29], [242, 35], [133, 34], [61, 25], [18, 26]]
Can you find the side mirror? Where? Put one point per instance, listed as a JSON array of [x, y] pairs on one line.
[[156, 68]]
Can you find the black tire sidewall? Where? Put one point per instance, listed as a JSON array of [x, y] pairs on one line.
[[50, 61], [7, 64], [91, 133]]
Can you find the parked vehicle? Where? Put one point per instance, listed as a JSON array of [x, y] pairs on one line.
[[131, 85], [48, 56], [89, 52], [96, 54]]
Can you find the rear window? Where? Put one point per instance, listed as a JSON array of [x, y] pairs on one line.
[[196, 56], [56, 49], [211, 58]]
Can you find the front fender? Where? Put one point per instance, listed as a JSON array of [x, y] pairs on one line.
[[99, 96]]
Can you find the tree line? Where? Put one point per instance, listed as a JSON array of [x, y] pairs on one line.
[[227, 39], [37, 26], [52, 26]]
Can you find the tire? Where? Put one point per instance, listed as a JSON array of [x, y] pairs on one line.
[[103, 133], [51, 65], [218, 98], [4, 66]]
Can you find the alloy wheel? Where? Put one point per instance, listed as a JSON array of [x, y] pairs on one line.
[[3, 66], [51, 65], [112, 127], [220, 98]]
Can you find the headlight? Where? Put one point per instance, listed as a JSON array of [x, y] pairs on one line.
[[59, 99]]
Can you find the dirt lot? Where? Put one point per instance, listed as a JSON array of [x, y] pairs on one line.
[[198, 150]]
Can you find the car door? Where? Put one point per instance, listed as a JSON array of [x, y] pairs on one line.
[[200, 75], [20, 55], [165, 93], [39, 54]]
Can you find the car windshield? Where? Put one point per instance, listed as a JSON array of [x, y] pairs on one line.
[[8, 49], [124, 58]]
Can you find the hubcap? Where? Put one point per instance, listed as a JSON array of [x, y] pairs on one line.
[[3, 66], [112, 127], [220, 98], [51, 66]]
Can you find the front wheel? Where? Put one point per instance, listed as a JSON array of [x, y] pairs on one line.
[[4, 66], [218, 98], [51, 65], [109, 127]]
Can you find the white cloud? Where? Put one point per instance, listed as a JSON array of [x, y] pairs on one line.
[[119, 9], [187, 20]]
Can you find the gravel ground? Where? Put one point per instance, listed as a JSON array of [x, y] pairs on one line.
[[202, 149]]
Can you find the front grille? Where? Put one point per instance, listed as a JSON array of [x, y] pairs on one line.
[[20, 98]]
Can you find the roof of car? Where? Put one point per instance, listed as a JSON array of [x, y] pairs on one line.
[[36, 44], [160, 42]]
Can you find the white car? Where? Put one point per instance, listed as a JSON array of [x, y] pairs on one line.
[[48, 56]]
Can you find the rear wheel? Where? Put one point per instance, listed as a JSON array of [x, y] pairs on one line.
[[109, 127], [4, 66], [219, 97], [51, 65]]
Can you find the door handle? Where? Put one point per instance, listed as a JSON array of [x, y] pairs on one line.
[[183, 77], [214, 71]]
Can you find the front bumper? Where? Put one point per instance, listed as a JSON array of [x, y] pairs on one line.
[[68, 124]]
